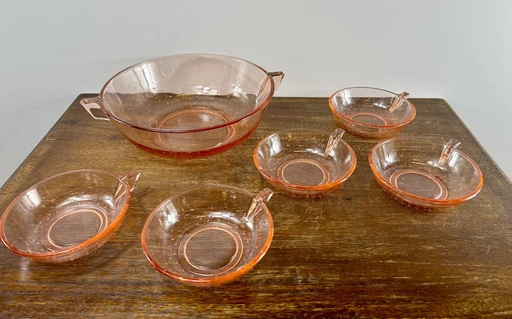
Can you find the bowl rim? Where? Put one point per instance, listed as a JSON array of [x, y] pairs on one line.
[[316, 188], [391, 126], [73, 249], [214, 279], [444, 202], [260, 107]]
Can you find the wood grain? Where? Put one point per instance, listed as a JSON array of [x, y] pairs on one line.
[[355, 253]]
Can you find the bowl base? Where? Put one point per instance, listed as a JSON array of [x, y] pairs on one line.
[[369, 118], [419, 183], [303, 172], [72, 226], [193, 117], [211, 249], [192, 154]]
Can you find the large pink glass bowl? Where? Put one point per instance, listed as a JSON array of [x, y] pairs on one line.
[[186, 105]]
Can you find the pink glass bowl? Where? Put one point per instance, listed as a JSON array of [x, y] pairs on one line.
[[68, 215], [208, 235], [425, 174], [305, 162], [371, 112], [186, 105]]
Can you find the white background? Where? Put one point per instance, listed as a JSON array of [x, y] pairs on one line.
[[458, 50]]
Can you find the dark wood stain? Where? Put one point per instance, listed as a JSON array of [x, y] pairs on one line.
[[354, 253]]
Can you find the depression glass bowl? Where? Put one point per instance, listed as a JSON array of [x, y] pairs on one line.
[[187, 105], [423, 173], [67, 216], [305, 162], [208, 235], [371, 112]]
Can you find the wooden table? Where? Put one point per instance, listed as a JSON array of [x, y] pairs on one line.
[[355, 253]]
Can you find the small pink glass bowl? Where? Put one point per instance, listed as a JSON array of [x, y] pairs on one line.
[[208, 235], [371, 112], [305, 162], [67, 216], [425, 174]]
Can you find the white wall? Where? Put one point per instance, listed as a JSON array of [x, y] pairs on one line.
[[50, 51]]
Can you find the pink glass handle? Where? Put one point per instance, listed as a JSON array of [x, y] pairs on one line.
[[447, 150], [277, 77], [129, 179], [334, 139], [398, 101], [92, 103], [258, 200]]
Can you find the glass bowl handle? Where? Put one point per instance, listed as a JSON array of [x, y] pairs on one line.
[[277, 77], [93, 103], [334, 139], [447, 151], [400, 98], [260, 199], [129, 180]]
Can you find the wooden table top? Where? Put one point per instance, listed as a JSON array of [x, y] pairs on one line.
[[354, 253]]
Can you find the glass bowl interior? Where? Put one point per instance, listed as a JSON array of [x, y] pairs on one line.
[[188, 92], [371, 107], [64, 213], [413, 166], [203, 235], [300, 158]]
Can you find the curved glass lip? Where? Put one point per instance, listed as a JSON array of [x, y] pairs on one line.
[[315, 188], [112, 226], [447, 202], [403, 123], [260, 107], [214, 279]]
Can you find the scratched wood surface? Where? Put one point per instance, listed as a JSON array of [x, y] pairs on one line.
[[355, 253]]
